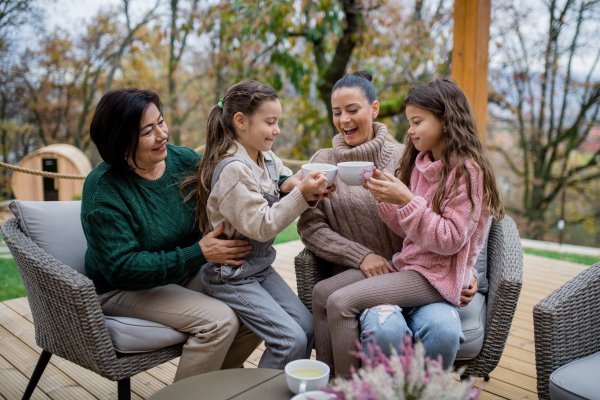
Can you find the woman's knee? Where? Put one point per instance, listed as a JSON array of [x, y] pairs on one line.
[[320, 294], [340, 303], [219, 314]]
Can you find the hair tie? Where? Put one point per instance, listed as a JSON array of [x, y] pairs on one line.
[[220, 104]]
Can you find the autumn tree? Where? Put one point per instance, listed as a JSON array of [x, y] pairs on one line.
[[309, 45], [547, 93]]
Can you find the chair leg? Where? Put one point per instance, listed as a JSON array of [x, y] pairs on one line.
[[37, 373], [124, 389], [486, 378]]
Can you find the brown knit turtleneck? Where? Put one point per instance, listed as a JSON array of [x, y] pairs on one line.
[[378, 150], [345, 229]]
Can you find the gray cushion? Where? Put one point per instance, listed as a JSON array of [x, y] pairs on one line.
[[481, 262], [55, 226], [472, 321], [132, 335], [577, 380]]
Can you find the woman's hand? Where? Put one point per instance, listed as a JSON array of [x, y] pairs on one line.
[[466, 295], [223, 251], [373, 265], [391, 190], [314, 186]]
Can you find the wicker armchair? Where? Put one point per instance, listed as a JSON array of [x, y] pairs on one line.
[[67, 317], [505, 277], [566, 325]]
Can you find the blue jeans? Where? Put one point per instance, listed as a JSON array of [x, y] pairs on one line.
[[436, 325]]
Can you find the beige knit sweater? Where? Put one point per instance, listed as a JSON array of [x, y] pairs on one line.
[[236, 199], [347, 227]]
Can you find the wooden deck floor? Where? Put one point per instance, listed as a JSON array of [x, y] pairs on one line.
[[514, 378]]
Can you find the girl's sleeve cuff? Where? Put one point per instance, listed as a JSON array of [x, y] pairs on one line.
[[415, 204]]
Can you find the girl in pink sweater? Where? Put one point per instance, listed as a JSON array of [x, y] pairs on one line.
[[443, 190]]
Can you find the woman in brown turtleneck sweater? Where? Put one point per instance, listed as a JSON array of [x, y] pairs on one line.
[[347, 231]]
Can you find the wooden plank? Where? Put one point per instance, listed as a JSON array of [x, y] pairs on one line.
[[506, 390], [53, 382], [21, 307], [13, 383], [98, 386], [522, 367], [490, 396], [514, 378]]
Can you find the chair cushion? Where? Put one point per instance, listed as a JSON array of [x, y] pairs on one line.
[[132, 335], [472, 320], [55, 226], [481, 262], [577, 380]]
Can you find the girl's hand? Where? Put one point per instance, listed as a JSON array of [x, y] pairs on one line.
[[392, 190], [314, 186], [290, 183], [373, 265], [223, 251], [466, 295]]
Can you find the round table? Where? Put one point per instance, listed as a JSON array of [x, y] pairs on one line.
[[238, 384]]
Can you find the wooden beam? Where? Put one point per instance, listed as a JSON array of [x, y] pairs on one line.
[[470, 54]]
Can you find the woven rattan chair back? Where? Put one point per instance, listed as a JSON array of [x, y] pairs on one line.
[[505, 278], [566, 326]]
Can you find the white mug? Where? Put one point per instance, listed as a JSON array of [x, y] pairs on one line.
[[300, 385], [329, 170], [355, 173], [314, 395]]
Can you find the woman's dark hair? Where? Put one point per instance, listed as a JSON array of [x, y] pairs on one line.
[[115, 127], [244, 97], [362, 80], [445, 99]]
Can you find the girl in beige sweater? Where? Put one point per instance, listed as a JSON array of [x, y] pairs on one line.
[[238, 182]]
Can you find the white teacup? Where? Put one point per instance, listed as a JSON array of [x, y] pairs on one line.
[[356, 173], [329, 170], [314, 395], [303, 375]]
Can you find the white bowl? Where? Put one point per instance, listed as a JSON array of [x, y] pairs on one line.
[[329, 170], [356, 173]]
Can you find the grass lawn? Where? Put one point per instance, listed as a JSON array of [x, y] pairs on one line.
[[288, 234], [576, 258], [11, 285]]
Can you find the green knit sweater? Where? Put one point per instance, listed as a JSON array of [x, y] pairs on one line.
[[139, 232]]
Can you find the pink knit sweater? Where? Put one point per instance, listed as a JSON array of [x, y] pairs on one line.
[[442, 248]]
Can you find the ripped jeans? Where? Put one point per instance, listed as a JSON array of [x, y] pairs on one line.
[[436, 325]]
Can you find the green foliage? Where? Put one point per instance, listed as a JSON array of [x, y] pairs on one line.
[[11, 285], [575, 258], [288, 234]]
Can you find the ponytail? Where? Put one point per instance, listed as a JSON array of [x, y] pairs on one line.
[[245, 97]]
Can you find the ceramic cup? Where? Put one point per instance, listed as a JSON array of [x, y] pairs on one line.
[[314, 395], [356, 173], [329, 170], [300, 385]]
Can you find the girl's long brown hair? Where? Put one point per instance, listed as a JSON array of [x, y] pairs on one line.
[[245, 97], [449, 104]]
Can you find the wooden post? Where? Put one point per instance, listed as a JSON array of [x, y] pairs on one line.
[[470, 53]]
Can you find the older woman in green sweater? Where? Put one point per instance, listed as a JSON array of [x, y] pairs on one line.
[[144, 247]]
